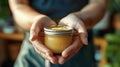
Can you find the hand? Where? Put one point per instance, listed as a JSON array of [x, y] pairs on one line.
[[37, 37], [80, 37]]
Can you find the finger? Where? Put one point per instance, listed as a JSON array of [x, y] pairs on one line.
[[50, 23], [65, 24], [46, 55], [82, 32], [42, 48], [61, 23], [70, 51], [84, 38], [61, 59], [52, 59], [73, 47]]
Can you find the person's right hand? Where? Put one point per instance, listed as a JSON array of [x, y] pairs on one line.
[[37, 37]]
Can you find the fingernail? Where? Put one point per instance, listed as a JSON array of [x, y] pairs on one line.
[[85, 41], [62, 61], [53, 60]]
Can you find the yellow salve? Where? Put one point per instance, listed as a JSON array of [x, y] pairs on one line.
[[60, 28], [56, 39]]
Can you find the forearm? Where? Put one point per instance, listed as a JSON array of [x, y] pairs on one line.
[[23, 14], [91, 14]]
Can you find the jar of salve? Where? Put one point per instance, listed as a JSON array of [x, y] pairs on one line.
[[58, 38]]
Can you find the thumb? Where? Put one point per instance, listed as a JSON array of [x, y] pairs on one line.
[[84, 38], [62, 23], [80, 27]]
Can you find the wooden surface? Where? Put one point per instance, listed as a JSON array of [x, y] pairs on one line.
[[12, 43], [102, 42], [12, 36]]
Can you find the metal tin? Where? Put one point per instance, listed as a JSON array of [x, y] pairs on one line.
[[57, 30], [57, 38]]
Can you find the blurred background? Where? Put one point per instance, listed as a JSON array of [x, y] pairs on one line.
[[106, 37]]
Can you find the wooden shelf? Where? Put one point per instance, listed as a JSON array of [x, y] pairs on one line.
[[13, 36]]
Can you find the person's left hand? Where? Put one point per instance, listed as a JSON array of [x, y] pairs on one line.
[[79, 37]]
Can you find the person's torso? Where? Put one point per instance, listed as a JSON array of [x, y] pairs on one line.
[[57, 8]]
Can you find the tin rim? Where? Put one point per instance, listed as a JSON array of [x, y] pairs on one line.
[[49, 31]]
